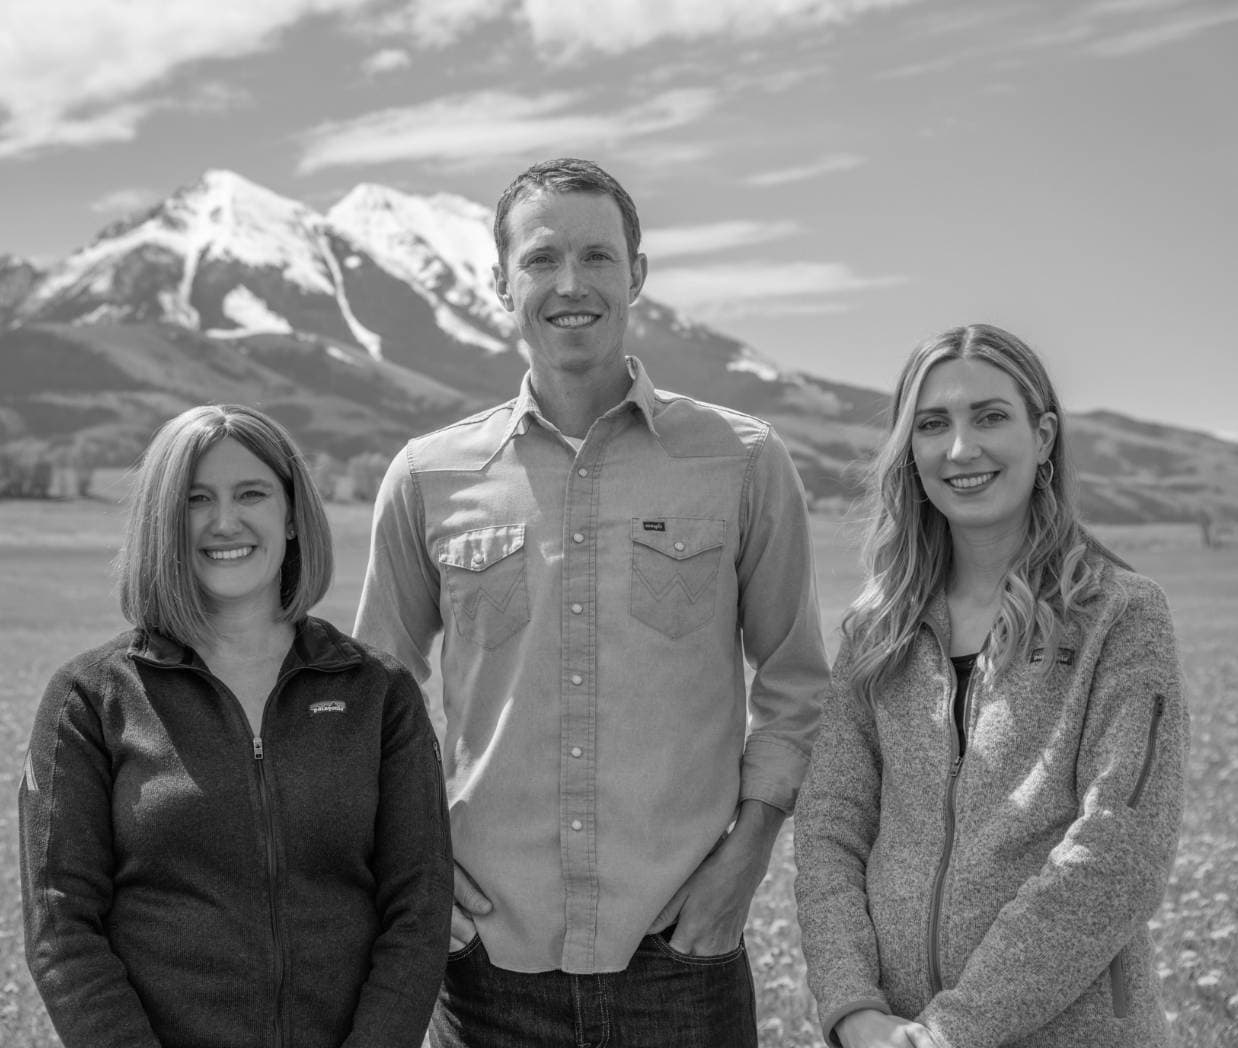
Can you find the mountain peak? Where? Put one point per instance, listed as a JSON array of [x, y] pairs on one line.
[[442, 243]]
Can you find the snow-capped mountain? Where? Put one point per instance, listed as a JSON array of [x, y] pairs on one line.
[[442, 245], [376, 320], [223, 256]]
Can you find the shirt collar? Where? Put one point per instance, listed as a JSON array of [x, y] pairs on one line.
[[641, 397]]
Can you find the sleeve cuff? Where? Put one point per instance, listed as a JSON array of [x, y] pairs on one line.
[[772, 772]]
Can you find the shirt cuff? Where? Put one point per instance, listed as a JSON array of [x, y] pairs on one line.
[[772, 772]]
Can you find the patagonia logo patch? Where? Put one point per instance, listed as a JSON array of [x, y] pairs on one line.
[[653, 525], [334, 706], [1065, 656]]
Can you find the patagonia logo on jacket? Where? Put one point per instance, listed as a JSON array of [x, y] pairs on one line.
[[334, 706]]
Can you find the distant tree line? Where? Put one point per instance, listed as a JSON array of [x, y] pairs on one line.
[[32, 469]]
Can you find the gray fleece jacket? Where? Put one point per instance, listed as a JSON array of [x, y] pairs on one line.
[[1001, 898]]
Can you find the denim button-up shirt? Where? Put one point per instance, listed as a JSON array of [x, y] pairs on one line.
[[596, 607]]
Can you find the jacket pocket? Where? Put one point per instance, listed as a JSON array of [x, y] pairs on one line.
[[1119, 988], [484, 572], [675, 572], [1149, 753]]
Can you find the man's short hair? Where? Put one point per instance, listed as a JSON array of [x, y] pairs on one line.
[[158, 588], [566, 175]]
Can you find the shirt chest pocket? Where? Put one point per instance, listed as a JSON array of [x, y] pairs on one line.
[[675, 562], [484, 573]]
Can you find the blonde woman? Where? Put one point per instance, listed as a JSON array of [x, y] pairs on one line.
[[993, 807], [233, 827]]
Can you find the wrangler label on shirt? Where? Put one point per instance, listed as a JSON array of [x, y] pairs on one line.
[[654, 525]]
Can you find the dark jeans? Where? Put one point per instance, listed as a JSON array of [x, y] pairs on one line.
[[663, 999]]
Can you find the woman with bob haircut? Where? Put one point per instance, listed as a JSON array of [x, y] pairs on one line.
[[233, 825], [989, 823]]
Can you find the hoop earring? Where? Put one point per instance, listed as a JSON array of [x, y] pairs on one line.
[[1044, 478]]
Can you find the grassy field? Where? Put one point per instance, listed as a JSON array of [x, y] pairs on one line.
[[56, 600]]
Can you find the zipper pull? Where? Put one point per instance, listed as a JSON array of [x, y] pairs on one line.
[[257, 748], [956, 766]]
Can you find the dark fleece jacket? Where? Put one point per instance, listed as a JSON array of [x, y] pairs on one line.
[[188, 886]]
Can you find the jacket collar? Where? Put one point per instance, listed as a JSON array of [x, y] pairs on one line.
[[317, 645], [936, 616], [641, 398]]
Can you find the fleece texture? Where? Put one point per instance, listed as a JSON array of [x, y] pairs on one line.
[[1001, 898]]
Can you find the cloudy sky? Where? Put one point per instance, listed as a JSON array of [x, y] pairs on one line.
[[831, 180]]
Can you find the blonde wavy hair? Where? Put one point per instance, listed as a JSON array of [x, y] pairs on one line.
[[907, 552]]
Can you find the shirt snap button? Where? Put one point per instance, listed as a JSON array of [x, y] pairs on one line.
[[577, 678], [578, 537], [679, 547], [577, 825], [577, 609], [576, 751], [582, 472]]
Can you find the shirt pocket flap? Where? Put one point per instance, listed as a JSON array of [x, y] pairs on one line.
[[679, 537], [482, 548]]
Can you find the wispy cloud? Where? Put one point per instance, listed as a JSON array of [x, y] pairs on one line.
[[1172, 31], [72, 72], [567, 32], [827, 165], [491, 124], [681, 241], [616, 26], [388, 60], [124, 201], [719, 292]]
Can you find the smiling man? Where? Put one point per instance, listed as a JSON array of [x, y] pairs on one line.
[[600, 557]]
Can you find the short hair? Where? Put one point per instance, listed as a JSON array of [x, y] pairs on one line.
[[566, 175], [158, 588], [907, 550]]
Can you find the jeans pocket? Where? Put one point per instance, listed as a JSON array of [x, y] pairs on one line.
[[663, 946], [465, 950], [484, 572], [675, 562]]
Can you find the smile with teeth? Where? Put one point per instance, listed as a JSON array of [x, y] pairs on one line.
[[973, 480], [573, 320], [229, 554]]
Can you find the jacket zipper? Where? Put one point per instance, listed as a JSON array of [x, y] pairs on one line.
[[939, 881], [1158, 711], [264, 795]]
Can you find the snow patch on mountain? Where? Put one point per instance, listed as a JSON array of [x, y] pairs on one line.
[[441, 245], [364, 336], [240, 221], [250, 314], [749, 360]]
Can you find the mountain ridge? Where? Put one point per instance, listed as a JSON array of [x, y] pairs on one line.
[[374, 320]]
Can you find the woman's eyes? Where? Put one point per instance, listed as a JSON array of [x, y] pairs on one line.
[[201, 498], [936, 425]]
